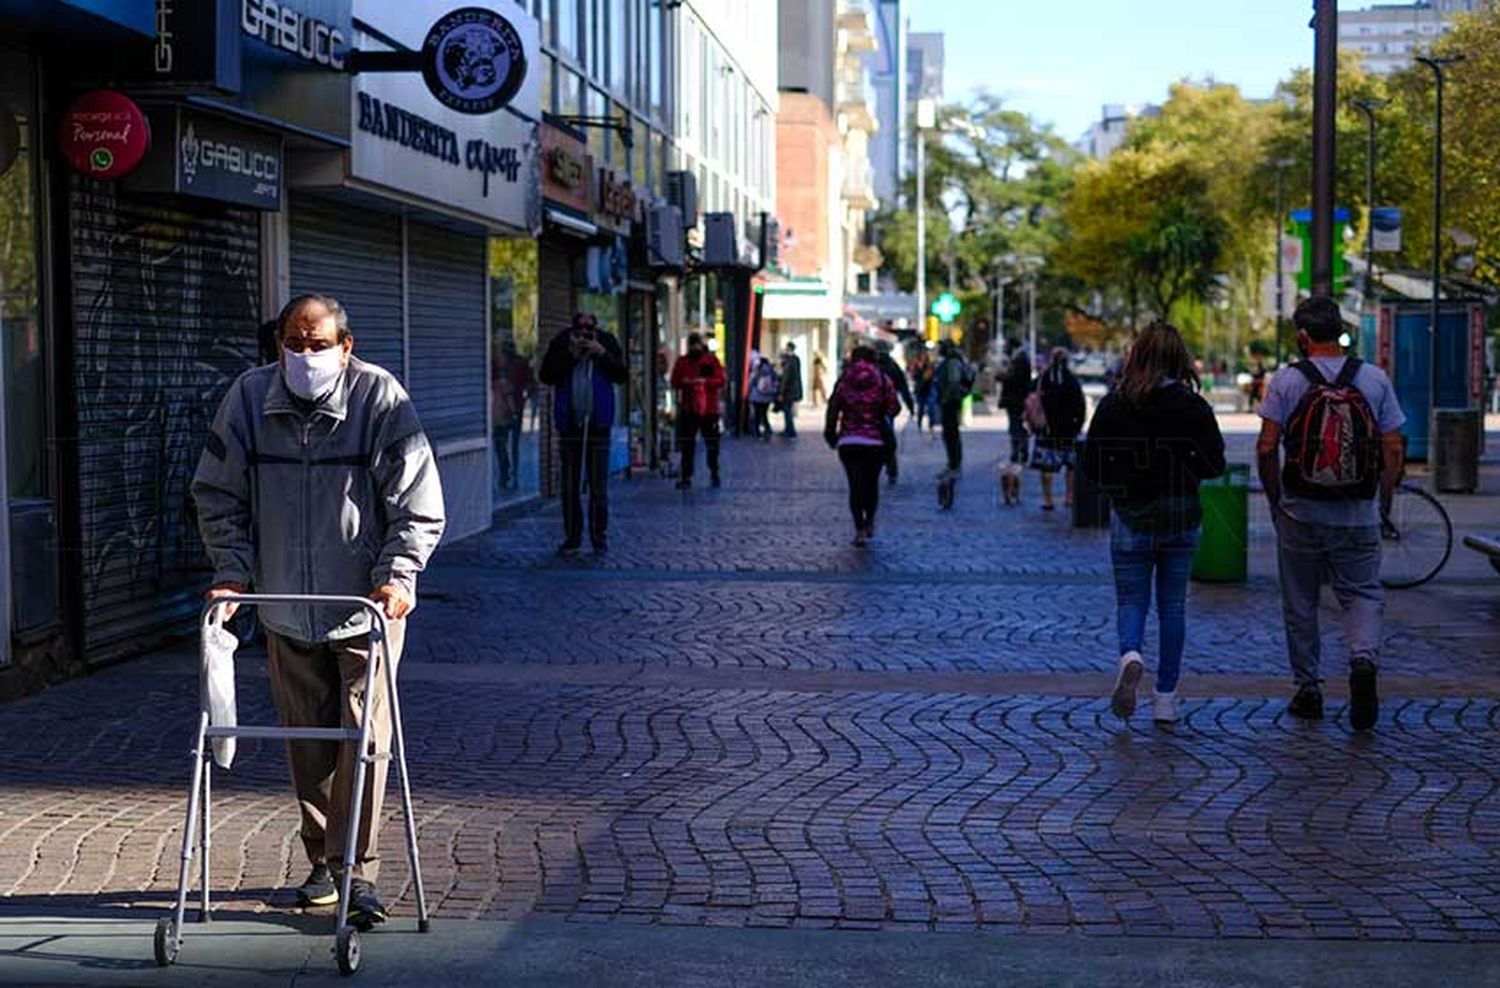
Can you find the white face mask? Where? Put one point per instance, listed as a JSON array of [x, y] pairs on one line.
[[312, 375]]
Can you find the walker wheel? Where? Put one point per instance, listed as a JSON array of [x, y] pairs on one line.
[[346, 949], [165, 942], [424, 926]]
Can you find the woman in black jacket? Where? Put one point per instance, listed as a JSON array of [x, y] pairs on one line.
[[1151, 441], [1062, 403]]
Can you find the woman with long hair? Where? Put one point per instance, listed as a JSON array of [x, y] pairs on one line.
[[1151, 441], [858, 426], [1063, 406]]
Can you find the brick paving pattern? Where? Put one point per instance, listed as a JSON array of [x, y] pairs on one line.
[[873, 803]]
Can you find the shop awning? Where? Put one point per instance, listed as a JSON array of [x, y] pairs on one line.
[[802, 299]]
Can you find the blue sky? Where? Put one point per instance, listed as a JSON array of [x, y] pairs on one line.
[[1061, 60]]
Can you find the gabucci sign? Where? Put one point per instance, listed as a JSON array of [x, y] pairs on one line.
[[104, 135]]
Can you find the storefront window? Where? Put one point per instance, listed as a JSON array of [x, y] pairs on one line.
[[514, 397], [20, 316], [568, 28]]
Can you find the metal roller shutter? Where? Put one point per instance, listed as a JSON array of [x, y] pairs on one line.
[[556, 302], [355, 256], [446, 309], [166, 297]]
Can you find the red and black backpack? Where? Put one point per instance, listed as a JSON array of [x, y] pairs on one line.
[[1332, 440]]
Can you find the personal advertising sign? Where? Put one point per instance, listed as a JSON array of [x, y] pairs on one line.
[[104, 135]]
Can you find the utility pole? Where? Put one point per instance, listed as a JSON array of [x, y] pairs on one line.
[[926, 119], [1437, 63], [1325, 96], [1282, 165], [1368, 108]]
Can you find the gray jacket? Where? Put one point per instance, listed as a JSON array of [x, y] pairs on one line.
[[338, 500]]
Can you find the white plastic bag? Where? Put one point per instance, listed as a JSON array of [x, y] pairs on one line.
[[218, 674]]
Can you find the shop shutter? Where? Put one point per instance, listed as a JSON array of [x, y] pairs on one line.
[[166, 297], [355, 256], [556, 304], [446, 309]]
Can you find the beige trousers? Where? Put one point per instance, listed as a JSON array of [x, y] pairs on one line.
[[322, 684]]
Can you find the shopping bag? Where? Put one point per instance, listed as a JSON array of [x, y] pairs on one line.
[[218, 680]]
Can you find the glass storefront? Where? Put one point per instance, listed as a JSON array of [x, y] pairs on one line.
[[514, 396]]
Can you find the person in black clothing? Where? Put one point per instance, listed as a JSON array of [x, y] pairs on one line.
[[1062, 401], [582, 366], [897, 377], [1151, 441], [953, 380], [1015, 385], [791, 389]]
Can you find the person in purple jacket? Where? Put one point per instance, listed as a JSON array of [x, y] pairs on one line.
[[858, 426]]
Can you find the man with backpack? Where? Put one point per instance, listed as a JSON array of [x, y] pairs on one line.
[[954, 381], [1338, 422]]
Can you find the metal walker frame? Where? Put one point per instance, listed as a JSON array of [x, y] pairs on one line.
[[169, 929]]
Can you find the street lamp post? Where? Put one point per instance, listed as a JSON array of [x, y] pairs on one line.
[[1282, 164], [926, 120], [1368, 108], [1437, 63]]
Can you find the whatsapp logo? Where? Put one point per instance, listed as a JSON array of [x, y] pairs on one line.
[[101, 159]]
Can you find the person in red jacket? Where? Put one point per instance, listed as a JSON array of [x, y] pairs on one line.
[[698, 378]]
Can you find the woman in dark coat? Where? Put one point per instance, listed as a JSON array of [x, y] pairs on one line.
[[1153, 439], [1062, 401]]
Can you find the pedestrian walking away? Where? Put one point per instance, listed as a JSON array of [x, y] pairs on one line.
[[953, 382], [791, 389], [318, 479], [764, 387], [1063, 411], [1330, 455], [1151, 441], [583, 366], [858, 427], [1015, 385], [819, 381], [698, 378], [897, 376]]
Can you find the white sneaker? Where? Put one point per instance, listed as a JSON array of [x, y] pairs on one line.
[[1165, 707], [1122, 700]]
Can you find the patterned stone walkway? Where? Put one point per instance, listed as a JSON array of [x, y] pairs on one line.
[[735, 719]]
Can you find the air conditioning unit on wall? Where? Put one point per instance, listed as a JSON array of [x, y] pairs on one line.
[[664, 237], [720, 240], [682, 192]]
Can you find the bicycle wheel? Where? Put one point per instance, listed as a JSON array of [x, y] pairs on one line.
[[1416, 539]]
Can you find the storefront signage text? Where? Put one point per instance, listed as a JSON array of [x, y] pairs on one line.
[[290, 30], [392, 123], [616, 198], [565, 168], [473, 60], [230, 165], [104, 134]]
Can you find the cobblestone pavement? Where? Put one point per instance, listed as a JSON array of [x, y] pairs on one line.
[[736, 719]]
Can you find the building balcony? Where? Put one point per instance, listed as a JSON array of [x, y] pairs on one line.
[[859, 194], [857, 26]]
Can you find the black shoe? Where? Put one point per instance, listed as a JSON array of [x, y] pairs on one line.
[[1307, 704], [601, 546], [714, 483], [365, 907], [684, 484], [1364, 701], [317, 889], [570, 548]]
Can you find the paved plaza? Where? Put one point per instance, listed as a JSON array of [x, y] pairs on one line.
[[736, 719]]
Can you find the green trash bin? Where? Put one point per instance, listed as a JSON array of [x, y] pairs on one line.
[[1223, 553]]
